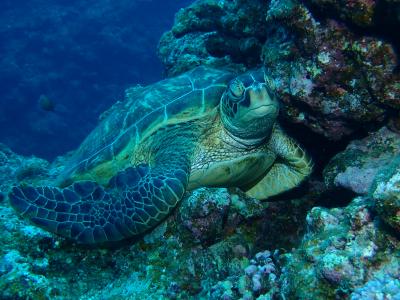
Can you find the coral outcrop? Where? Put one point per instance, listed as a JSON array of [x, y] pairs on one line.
[[329, 77], [345, 254], [227, 34], [218, 244], [371, 166], [386, 193], [356, 167]]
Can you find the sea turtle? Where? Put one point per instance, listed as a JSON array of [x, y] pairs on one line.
[[203, 128]]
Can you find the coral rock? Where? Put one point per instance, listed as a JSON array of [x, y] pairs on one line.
[[356, 167], [386, 193]]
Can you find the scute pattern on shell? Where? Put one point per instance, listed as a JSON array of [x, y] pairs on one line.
[[172, 100]]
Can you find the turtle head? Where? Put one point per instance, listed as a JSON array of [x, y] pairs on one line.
[[249, 108]]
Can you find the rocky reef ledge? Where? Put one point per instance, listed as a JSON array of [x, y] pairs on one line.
[[219, 244], [333, 63]]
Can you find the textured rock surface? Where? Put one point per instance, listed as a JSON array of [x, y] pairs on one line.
[[227, 34], [356, 167], [330, 78], [214, 247], [367, 14], [14, 168], [345, 254], [208, 215], [386, 193], [257, 278]]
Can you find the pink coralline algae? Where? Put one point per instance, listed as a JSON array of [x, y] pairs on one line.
[[259, 279], [358, 12], [344, 250], [356, 167], [333, 82], [386, 193]]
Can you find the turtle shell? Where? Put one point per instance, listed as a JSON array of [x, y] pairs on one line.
[[173, 100]]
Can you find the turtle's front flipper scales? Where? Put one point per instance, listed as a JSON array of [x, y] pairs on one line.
[[291, 168], [136, 200]]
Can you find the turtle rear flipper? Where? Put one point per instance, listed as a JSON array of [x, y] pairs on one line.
[[136, 200]]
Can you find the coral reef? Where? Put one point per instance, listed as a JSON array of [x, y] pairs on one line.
[[335, 70], [227, 34], [384, 284], [386, 193], [356, 167], [357, 12], [365, 14], [371, 166], [257, 280], [330, 78], [15, 168], [213, 246], [345, 254]]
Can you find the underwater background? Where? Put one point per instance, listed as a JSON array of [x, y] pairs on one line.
[[335, 70], [81, 55]]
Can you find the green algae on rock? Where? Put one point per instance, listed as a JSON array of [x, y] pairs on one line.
[[386, 193], [220, 34], [343, 251]]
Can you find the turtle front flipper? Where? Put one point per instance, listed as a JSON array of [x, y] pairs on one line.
[[135, 200], [292, 166]]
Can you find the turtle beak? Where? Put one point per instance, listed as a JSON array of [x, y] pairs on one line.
[[260, 100]]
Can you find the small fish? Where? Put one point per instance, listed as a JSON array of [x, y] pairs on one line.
[[46, 103]]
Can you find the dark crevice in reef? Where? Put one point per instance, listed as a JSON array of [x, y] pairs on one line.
[[388, 229], [322, 150], [317, 146], [338, 197], [247, 50], [386, 23], [383, 25]]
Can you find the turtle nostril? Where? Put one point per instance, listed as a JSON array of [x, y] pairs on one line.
[[246, 101]]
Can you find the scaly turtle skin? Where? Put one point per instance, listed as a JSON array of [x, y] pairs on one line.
[[203, 128]]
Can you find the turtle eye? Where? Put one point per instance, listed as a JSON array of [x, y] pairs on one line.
[[236, 89]]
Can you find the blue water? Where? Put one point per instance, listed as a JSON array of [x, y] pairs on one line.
[[81, 55]]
